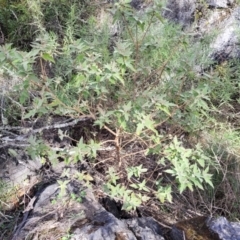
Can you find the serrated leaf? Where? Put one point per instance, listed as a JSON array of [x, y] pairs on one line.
[[127, 107], [173, 172], [54, 103], [2, 57], [139, 129], [144, 198], [169, 197], [88, 177], [182, 187], [130, 66], [48, 57], [33, 52], [120, 79], [159, 17], [161, 197], [201, 162], [12, 152], [133, 185], [31, 113]]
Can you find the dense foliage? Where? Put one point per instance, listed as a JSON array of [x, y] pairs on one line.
[[134, 74]]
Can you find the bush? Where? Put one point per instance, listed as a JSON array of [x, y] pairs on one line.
[[140, 84], [22, 21]]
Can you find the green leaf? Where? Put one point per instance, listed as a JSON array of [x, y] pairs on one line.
[[149, 123], [47, 57], [31, 113], [161, 197], [130, 172], [2, 56], [135, 186], [182, 187], [139, 129], [12, 152], [144, 198], [159, 17], [119, 78], [164, 193], [127, 107], [207, 177], [129, 65], [142, 186], [201, 161], [172, 172], [123, 48], [24, 95], [33, 53], [164, 109], [169, 197]]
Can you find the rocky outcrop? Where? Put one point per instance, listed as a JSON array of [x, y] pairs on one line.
[[54, 212], [226, 230], [53, 217], [216, 17], [181, 12], [220, 3], [18, 175], [226, 43]]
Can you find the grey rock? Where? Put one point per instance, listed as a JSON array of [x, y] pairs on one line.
[[226, 230], [145, 228], [103, 226], [220, 3], [226, 44], [181, 12], [224, 23], [17, 173], [136, 4], [177, 234], [52, 217]]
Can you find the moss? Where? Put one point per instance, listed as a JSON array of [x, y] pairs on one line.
[[196, 229]]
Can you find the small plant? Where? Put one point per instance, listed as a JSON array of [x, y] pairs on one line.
[[36, 148], [188, 166], [62, 187], [79, 198]]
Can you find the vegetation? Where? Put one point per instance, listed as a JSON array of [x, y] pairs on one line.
[[136, 77]]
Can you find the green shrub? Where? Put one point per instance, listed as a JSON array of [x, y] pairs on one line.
[[22, 21], [132, 85]]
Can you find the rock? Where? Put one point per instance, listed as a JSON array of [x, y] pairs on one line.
[[103, 226], [137, 4], [220, 3], [226, 46], [226, 230], [223, 22], [18, 175], [185, 12], [145, 228], [181, 12], [52, 217]]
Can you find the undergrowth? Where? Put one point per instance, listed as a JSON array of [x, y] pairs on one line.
[[141, 79]]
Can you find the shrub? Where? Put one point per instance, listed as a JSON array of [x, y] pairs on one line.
[[141, 86]]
